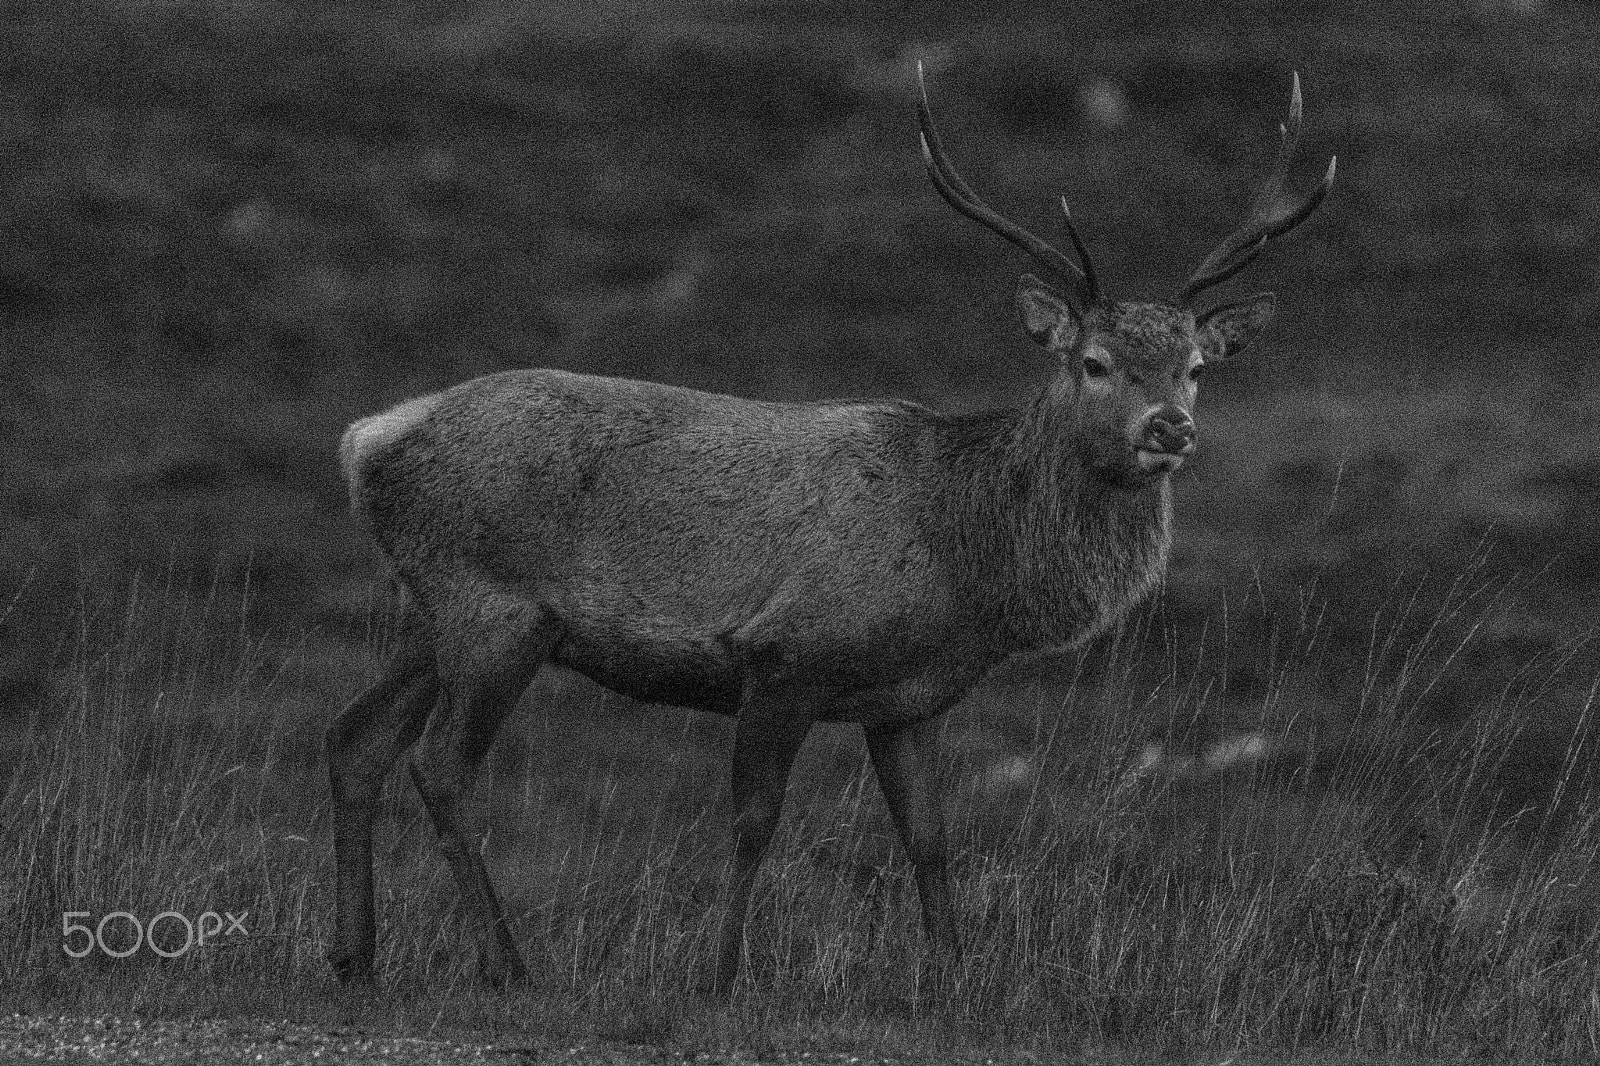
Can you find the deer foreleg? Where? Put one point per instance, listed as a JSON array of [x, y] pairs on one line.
[[769, 733], [904, 757]]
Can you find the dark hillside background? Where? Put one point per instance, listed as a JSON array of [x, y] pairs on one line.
[[230, 228]]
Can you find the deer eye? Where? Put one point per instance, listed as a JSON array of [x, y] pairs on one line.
[[1094, 368], [1195, 371]]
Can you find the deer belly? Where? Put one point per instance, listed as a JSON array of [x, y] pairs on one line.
[[657, 661], [658, 668]]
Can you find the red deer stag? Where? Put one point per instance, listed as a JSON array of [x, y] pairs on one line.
[[781, 563]]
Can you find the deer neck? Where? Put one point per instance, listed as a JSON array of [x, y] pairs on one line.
[[1068, 551]]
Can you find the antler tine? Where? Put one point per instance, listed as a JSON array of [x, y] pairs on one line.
[[1091, 282], [1266, 220], [956, 193]]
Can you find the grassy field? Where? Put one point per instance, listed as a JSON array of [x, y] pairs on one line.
[[230, 228], [1145, 894]]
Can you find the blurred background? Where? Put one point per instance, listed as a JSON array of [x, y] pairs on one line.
[[230, 227]]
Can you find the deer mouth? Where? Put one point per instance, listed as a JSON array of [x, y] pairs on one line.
[[1157, 461]]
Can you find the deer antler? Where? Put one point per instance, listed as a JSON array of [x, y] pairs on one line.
[[955, 192], [1268, 218]]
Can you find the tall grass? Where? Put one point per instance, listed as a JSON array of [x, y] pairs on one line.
[[155, 778], [1352, 887]]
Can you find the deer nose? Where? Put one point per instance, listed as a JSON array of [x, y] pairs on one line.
[[1170, 429]]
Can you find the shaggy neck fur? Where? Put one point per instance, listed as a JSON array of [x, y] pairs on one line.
[[1048, 550]]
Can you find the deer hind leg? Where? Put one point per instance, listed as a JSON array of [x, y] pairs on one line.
[[484, 673], [362, 743], [770, 730], [904, 758]]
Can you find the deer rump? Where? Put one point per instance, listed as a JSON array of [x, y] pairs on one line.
[[681, 540]]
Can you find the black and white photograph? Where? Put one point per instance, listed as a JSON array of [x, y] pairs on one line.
[[777, 532]]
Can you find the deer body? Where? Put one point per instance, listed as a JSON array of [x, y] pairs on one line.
[[677, 541], [783, 563]]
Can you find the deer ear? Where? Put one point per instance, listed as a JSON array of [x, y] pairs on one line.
[[1046, 317], [1229, 329]]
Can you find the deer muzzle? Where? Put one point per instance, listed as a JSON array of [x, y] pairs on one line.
[[1168, 430]]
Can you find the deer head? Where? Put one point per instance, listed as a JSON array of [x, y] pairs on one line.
[[1129, 371]]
